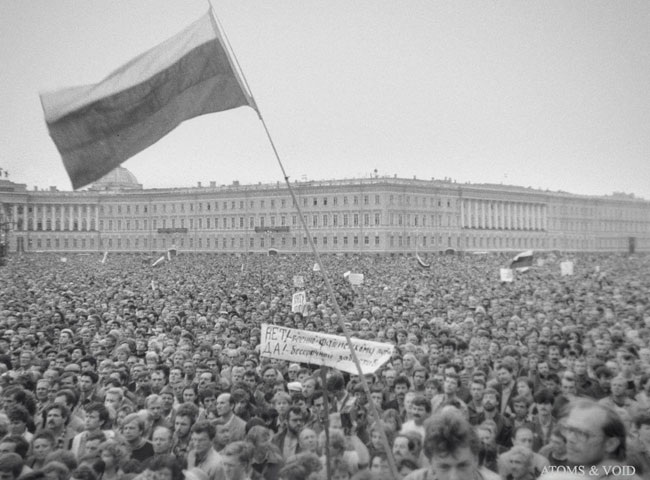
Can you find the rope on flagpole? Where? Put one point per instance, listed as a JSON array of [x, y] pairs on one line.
[[303, 221]]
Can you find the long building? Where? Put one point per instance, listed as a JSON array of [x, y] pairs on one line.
[[365, 215]]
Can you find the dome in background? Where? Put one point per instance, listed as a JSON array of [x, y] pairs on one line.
[[118, 179]]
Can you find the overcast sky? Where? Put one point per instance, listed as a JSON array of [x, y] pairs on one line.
[[553, 94]]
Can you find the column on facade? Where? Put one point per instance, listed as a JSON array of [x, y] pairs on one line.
[[472, 210], [533, 217], [502, 215], [14, 215], [79, 213], [488, 214], [70, 217], [88, 208], [537, 218], [462, 214]]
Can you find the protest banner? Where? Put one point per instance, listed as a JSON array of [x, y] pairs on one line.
[[566, 268], [506, 275], [316, 267], [316, 348], [355, 278], [298, 302], [298, 281]]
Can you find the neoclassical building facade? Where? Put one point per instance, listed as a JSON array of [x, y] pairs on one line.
[[369, 215]]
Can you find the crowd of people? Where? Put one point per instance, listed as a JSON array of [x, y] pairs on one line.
[[113, 369]]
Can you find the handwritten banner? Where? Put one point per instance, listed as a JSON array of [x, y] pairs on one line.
[[316, 348]]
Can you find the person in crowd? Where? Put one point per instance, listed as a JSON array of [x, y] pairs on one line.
[[517, 464], [134, 431], [114, 456], [595, 437], [452, 446], [203, 455], [119, 343]]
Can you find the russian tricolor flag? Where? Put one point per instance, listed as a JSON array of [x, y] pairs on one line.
[[97, 127]]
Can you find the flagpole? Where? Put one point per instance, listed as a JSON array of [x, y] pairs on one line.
[[337, 308], [303, 221]]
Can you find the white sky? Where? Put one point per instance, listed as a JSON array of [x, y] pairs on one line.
[[550, 94]]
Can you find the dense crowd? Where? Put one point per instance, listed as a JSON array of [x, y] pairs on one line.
[[118, 370]]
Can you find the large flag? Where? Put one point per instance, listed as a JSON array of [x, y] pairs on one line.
[[97, 127], [523, 259]]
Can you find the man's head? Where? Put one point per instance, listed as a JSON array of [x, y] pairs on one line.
[[10, 466], [202, 434], [133, 427], [451, 445], [154, 406], [56, 416], [420, 409], [593, 433], [223, 405], [451, 384], [619, 386], [523, 435], [87, 381], [295, 420], [237, 458], [161, 440], [490, 399]]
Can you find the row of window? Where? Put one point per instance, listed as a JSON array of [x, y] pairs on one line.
[[234, 242], [307, 201]]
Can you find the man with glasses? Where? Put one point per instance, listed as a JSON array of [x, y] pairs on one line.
[[596, 440]]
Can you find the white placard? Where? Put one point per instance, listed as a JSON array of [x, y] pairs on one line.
[[298, 281], [355, 278], [506, 275], [298, 302], [566, 268]]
